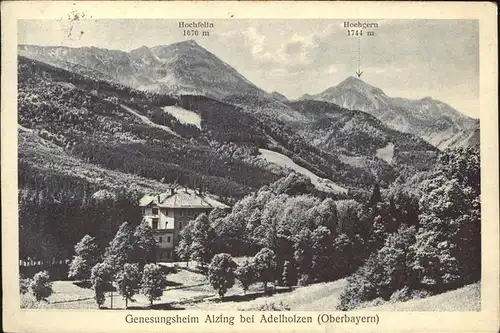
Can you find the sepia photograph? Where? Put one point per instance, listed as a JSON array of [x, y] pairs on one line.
[[236, 164]]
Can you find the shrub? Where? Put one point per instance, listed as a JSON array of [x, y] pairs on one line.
[[41, 286], [273, 307], [28, 301], [304, 280], [405, 294], [246, 275], [24, 285]]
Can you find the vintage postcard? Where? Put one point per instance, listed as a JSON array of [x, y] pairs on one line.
[[250, 166]]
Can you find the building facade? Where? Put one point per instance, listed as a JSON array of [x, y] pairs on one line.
[[168, 213]]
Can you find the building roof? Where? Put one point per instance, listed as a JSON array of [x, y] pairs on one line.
[[181, 198]]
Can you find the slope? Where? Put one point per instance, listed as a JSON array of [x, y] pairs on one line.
[[321, 184], [92, 121], [361, 140]]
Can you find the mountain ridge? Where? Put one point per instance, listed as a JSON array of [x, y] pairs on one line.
[[435, 121], [178, 68], [186, 68]]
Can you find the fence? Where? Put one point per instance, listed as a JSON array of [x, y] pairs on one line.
[[58, 269]]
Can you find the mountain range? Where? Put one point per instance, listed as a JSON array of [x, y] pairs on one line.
[[178, 113], [187, 68], [433, 120]]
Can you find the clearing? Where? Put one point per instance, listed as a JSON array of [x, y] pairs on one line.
[[184, 116], [467, 298], [188, 290], [286, 162], [386, 153], [146, 120]]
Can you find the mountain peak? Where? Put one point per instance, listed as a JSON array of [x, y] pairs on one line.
[[279, 96], [188, 43], [352, 81], [141, 50]]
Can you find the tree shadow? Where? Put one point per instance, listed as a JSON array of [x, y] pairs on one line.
[[110, 309], [252, 296], [173, 284], [160, 306], [83, 284], [165, 306]]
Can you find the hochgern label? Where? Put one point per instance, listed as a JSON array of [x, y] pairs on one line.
[[362, 25]]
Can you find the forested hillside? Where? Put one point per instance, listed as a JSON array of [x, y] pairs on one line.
[[75, 142], [79, 136], [420, 237]]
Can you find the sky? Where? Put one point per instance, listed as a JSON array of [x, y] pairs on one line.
[[405, 58]]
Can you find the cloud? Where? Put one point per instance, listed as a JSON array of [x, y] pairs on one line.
[[293, 48], [332, 69]]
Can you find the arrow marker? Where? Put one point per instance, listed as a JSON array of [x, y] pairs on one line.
[[359, 72]]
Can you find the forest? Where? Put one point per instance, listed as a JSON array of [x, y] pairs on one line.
[[418, 238]]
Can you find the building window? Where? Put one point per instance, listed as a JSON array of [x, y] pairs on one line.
[[169, 255], [143, 210], [155, 211], [180, 225], [181, 212], [155, 223], [168, 239], [161, 239]]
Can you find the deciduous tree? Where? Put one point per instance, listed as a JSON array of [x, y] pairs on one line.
[[145, 245], [265, 265], [87, 255], [127, 282], [153, 282], [101, 278], [221, 273], [246, 274], [121, 248], [203, 236]]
